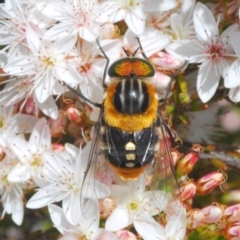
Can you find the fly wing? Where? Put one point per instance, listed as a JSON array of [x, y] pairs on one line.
[[93, 185], [161, 175]]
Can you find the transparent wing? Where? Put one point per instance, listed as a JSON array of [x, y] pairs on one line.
[[161, 175], [94, 184]]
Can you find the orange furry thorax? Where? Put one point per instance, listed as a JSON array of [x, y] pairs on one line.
[[127, 122]]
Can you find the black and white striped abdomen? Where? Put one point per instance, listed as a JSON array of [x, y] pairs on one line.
[[131, 96]]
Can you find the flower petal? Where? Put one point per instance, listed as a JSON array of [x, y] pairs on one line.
[[71, 208], [118, 220], [40, 137], [161, 5], [149, 229], [45, 196], [204, 23], [234, 39], [190, 50], [153, 45], [23, 123], [48, 107], [234, 94], [58, 218], [207, 81], [18, 211], [20, 173], [135, 20], [232, 78]]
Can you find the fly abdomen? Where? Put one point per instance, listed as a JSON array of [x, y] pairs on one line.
[[131, 96], [128, 150]]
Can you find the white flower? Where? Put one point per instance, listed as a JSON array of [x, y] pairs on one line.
[[30, 153], [134, 204], [12, 124], [75, 17], [46, 62], [90, 69], [175, 228], [67, 183], [20, 88], [14, 19], [210, 49], [11, 193], [85, 228], [182, 22], [132, 11]]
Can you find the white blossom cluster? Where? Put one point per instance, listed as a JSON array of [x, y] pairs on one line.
[[46, 43]]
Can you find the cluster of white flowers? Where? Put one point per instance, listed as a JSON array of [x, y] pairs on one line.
[[48, 42]]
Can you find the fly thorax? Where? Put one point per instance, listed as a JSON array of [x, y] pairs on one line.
[[131, 96]]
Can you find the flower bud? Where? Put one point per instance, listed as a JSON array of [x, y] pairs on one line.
[[210, 181], [30, 107], [232, 231], [106, 207], [165, 61], [213, 214], [184, 98], [232, 213], [175, 156], [57, 147], [195, 218], [75, 115], [187, 191], [57, 126], [125, 235], [186, 164]]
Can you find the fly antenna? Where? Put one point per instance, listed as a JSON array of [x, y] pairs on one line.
[[140, 46], [125, 51], [82, 96]]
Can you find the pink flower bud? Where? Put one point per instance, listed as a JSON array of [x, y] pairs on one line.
[[75, 115], [165, 61], [187, 191], [161, 81], [232, 231], [232, 213], [31, 107], [57, 126], [107, 205], [186, 164], [175, 157], [125, 235], [213, 214], [195, 218], [210, 181], [57, 147]]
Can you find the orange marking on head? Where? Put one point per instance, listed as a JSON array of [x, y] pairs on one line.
[[140, 68], [124, 68], [126, 122]]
